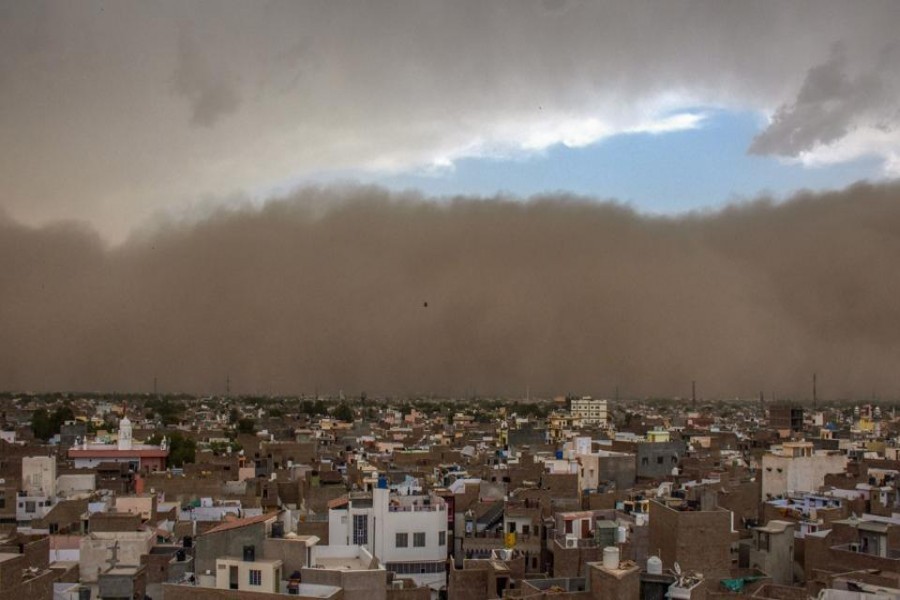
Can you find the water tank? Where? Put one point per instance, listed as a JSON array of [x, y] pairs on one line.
[[621, 534], [188, 542], [180, 555], [278, 529], [654, 565], [611, 557], [559, 454], [84, 593], [382, 482], [249, 553]]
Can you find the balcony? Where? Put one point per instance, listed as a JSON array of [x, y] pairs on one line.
[[417, 508]]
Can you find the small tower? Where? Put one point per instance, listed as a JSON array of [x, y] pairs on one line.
[[125, 434]]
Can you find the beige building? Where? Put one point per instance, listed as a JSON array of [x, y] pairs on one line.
[[798, 468], [39, 476], [589, 411], [257, 575]]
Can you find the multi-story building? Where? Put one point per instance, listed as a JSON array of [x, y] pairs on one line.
[[797, 468], [408, 534], [589, 411], [771, 550], [698, 540], [786, 417], [38, 495]]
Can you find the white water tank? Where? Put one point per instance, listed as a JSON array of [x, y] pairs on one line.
[[621, 534], [654, 565], [611, 557]]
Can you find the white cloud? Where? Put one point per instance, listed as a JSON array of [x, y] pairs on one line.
[[867, 142], [117, 113]]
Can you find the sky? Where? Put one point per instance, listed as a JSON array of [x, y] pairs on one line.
[[124, 111], [152, 147]]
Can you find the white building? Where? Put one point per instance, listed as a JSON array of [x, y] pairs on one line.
[[407, 534], [39, 475], [589, 411], [38, 494], [797, 468], [141, 457]]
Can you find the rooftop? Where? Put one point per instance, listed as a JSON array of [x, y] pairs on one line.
[[238, 523]]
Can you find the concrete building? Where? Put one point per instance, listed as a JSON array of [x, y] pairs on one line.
[[103, 552], [614, 581], [785, 417], [797, 468], [408, 534], [655, 460], [588, 411], [350, 568], [772, 551], [604, 467], [698, 540], [249, 574], [230, 539], [39, 475], [140, 457], [24, 572], [38, 496]]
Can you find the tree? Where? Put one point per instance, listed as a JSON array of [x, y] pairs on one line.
[[246, 425], [40, 424], [343, 413], [45, 425], [181, 449], [169, 412]]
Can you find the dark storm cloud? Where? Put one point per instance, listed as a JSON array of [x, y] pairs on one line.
[[211, 94], [120, 109], [829, 105], [327, 289]]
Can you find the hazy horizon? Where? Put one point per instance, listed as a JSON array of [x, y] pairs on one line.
[[585, 194], [327, 289]]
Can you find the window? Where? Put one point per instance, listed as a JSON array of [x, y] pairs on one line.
[[659, 460], [645, 461], [412, 568], [402, 540], [525, 529], [360, 530], [442, 538], [419, 539], [30, 506], [255, 577]]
